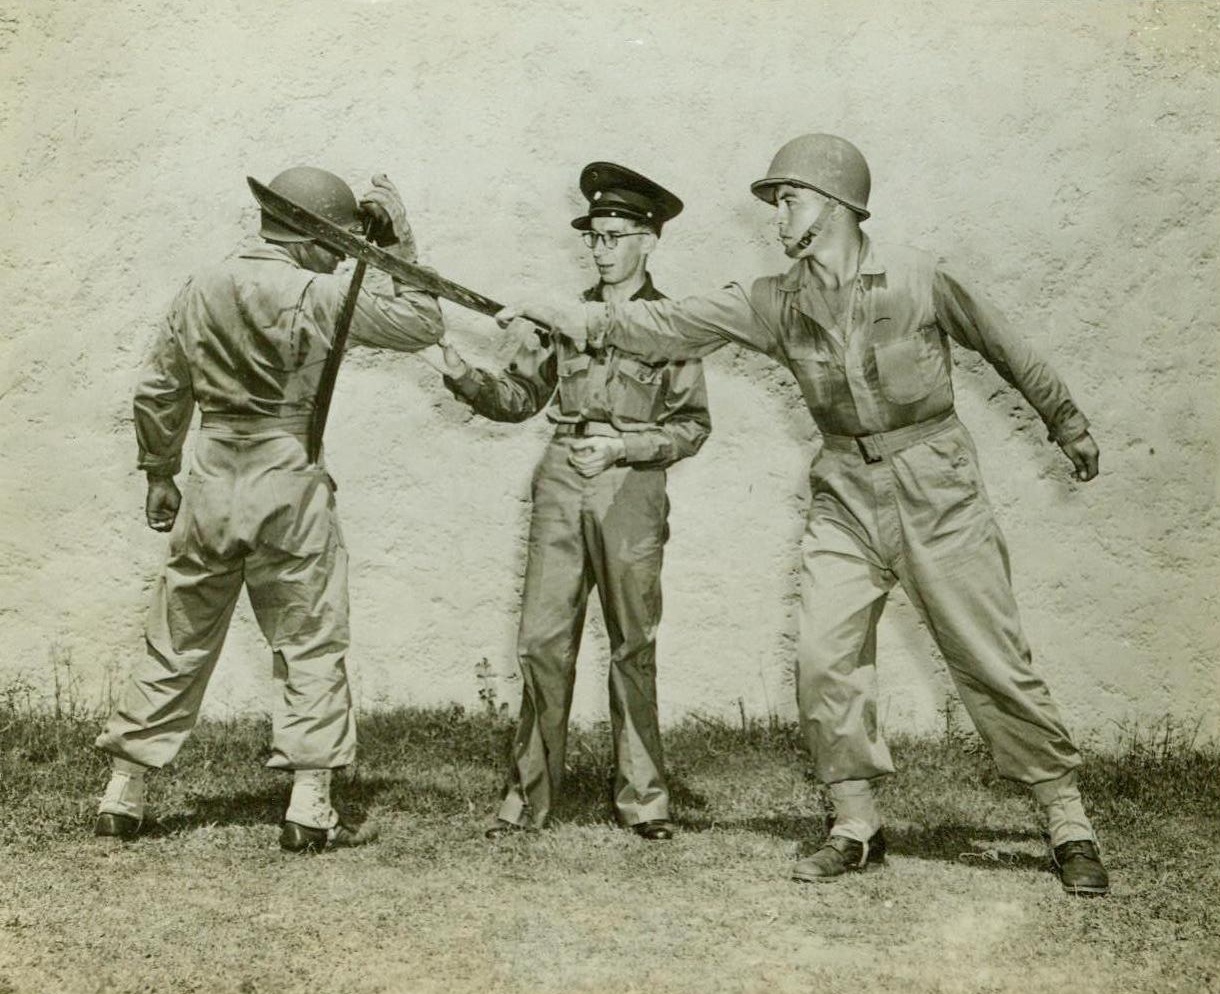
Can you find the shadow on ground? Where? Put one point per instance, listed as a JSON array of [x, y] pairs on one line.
[[265, 806]]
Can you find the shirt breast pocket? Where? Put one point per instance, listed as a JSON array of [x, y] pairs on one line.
[[637, 390], [911, 367], [573, 383]]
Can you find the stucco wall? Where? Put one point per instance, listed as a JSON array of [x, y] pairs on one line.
[[1063, 154]]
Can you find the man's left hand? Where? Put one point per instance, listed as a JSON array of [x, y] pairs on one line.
[[590, 456], [1083, 452]]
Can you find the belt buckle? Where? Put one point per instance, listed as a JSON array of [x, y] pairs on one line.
[[580, 429], [868, 457]]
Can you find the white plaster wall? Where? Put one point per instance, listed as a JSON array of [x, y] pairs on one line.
[[1063, 153]]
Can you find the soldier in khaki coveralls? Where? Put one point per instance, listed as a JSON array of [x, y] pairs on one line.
[[599, 513], [246, 341], [896, 491]]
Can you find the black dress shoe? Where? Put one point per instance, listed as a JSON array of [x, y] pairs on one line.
[[306, 838], [502, 828], [657, 830], [1080, 870], [840, 855], [115, 826]]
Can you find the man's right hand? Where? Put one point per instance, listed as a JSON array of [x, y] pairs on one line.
[[564, 317], [162, 503], [1084, 454], [455, 366]]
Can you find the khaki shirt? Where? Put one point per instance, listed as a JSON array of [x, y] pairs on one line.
[[885, 366], [660, 407], [250, 337]]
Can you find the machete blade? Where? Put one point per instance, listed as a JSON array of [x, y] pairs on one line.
[[333, 236]]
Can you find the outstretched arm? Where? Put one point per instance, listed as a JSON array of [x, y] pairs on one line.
[[654, 329], [516, 393]]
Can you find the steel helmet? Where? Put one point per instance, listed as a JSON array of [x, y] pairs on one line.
[[321, 192], [832, 166]]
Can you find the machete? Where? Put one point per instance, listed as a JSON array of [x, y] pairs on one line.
[[333, 236]]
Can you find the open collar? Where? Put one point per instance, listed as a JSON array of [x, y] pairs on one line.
[[871, 264]]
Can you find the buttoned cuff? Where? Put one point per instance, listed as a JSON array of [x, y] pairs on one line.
[[638, 447], [464, 387], [167, 466], [1070, 428]]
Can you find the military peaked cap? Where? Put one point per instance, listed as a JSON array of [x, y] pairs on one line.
[[616, 191]]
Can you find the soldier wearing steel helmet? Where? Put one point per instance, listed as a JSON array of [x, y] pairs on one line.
[[600, 513], [896, 494], [245, 342]]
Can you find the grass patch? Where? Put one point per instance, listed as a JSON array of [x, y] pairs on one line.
[[206, 902]]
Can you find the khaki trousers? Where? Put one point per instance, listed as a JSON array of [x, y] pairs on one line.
[[254, 514], [918, 516], [606, 532]]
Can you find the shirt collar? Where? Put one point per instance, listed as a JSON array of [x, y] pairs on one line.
[[871, 264], [646, 291], [269, 251]]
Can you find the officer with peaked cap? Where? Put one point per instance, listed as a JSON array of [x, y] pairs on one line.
[[599, 512], [246, 341], [896, 492]]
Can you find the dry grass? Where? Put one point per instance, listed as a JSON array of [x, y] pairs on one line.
[[206, 902]]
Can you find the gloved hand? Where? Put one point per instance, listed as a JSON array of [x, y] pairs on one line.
[[563, 316], [162, 503], [383, 205], [1083, 452]]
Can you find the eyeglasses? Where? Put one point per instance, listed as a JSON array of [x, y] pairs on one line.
[[607, 238]]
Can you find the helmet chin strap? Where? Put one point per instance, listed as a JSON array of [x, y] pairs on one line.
[[798, 248]]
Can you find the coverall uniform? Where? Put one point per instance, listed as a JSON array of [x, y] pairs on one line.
[[606, 531], [246, 341], [896, 493]]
